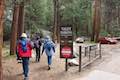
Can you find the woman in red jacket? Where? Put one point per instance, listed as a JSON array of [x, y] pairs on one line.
[[24, 51]]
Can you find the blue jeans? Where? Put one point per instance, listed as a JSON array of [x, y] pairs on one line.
[[49, 60], [25, 64]]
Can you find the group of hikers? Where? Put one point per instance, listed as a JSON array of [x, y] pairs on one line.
[[25, 46]]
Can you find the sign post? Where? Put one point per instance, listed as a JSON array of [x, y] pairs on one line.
[[66, 65], [66, 43]]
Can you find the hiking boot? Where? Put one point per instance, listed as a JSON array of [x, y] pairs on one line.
[[26, 78], [49, 68]]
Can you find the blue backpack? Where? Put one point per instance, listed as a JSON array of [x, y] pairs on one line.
[[49, 46], [24, 45]]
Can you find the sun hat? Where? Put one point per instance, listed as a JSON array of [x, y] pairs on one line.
[[47, 37], [24, 35]]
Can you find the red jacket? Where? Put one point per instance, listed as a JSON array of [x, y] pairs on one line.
[[21, 53]]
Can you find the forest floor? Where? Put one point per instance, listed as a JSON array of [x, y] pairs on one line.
[[38, 71]]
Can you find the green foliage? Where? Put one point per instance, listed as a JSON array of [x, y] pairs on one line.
[[117, 34], [8, 20], [104, 33], [38, 15], [7, 30], [78, 12]]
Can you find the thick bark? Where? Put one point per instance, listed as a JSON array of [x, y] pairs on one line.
[[14, 30], [21, 19], [87, 30], [76, 26], [118, 15], [56, 20], [2, 6], [96, 20]]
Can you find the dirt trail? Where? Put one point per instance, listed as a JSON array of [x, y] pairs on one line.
[[38, 71]]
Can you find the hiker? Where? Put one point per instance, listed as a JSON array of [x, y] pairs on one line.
[[37, 46], [24, 50], [49, 48]]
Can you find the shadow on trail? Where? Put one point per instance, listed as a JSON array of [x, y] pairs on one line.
[[43, 68], [13, 77]]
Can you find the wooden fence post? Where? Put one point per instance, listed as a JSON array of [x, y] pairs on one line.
[[80, 58]]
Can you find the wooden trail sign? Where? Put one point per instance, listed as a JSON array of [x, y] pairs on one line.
[[66, 41]]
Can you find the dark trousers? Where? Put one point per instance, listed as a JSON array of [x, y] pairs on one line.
[[38, 54], [49, 60], [25, 64]]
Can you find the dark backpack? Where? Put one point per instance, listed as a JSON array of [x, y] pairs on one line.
[[37, 44]]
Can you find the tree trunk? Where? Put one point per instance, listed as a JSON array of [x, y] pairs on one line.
[[77, 26], [96, 20], [14, 29], [2, 6], [74, 28], [58, 21], [21, 19], [55, 26], [87, 30], [118, 15]]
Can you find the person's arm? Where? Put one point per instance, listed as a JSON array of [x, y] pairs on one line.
[[40, 43], [42, 50], [54, 49], [53, 46], [30, 45]]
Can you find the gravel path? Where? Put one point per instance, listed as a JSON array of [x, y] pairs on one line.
[[38, 71]]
